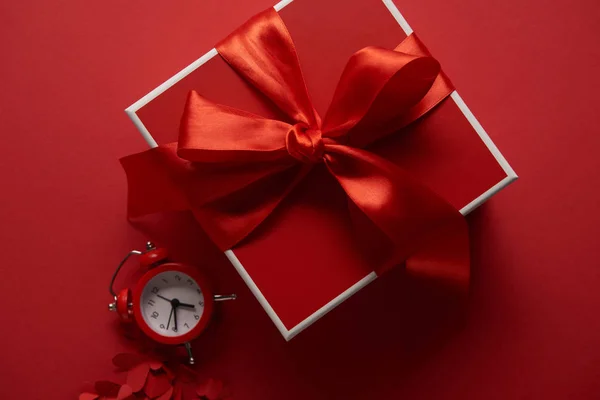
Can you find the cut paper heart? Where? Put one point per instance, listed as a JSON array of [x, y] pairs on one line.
[[106, 390], [157, 379], [211, 389]]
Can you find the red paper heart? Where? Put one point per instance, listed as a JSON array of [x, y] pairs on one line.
[[211, 389], [88, 396], [177, 392], [137, 376], [150, 379], [107, 389], [187, 392], [185, 374], [125, 392], [156, 385], [155, 365], [166, 395]]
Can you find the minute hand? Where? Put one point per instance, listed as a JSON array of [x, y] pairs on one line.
[[175, 318], [163, 297]]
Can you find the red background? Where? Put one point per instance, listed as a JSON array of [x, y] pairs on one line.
[[527, 69]]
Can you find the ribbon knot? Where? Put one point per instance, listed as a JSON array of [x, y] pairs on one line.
[[233, 168], [305, 144]]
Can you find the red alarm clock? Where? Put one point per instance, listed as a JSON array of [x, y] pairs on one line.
[[172, 302]]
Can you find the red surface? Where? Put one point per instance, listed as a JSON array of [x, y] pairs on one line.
[[442, 149], [528, 70]]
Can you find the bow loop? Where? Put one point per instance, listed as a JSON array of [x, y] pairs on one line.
[[377, 87], [237, 137], [276, 72]]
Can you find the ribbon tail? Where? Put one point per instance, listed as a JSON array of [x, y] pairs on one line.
[[441, 88], [381, 91], [445, 255], [229, 203], [263, 53], [376, 87], [426, 232], [153, 183], [230, 219]]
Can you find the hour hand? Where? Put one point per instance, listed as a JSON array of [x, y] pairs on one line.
[[163, 297], [186, 305]]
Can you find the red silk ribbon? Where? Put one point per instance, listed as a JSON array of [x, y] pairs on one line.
[[232, 168]]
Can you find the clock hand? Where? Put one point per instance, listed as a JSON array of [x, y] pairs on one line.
[[187, 305], [170, 315], [163, 297], [175, 317]]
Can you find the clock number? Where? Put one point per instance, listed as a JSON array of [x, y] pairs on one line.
[[151, 302], [162, 326], [164, 280], [174, 329], [154, 314], [186, 325], [177, 277], [191, 282], [201, 303], [197, 317], [154, 290], [199, 291]]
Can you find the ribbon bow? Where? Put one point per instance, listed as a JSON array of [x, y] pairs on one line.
[[232, 168]]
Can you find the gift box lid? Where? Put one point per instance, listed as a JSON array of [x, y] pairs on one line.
[[300, 263]]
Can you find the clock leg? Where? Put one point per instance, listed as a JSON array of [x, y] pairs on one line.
[[188, 348], [224, 297]]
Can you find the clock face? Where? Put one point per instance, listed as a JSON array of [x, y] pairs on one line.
[[172, 303]]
